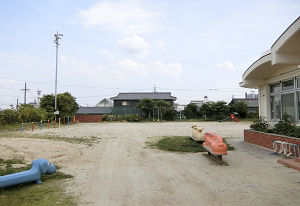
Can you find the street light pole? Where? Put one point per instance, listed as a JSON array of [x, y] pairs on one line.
[[56, 38]]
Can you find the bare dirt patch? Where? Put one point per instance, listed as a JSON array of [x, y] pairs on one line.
[[119, 168]]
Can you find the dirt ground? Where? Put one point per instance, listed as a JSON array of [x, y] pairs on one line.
[[121, 170]]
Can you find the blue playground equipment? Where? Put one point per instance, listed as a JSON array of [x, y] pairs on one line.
[[38, 167]]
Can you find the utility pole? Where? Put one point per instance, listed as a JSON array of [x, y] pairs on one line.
[[56, 38], [25, 90]]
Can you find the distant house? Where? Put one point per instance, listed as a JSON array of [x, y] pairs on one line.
[[105, 103], [250, 99], [125, 103]]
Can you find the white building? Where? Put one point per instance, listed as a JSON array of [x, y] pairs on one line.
[[276, 75], [200, 102]]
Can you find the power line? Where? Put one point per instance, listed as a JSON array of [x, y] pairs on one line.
[[130, 89]]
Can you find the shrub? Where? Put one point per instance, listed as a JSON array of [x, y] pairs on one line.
[[120, 118], [111, 118], [8, 116], [105, 117], [285, 126], [133, 118], [260, 124]]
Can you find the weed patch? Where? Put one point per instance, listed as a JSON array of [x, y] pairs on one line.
[[30, 193], [176, 144]]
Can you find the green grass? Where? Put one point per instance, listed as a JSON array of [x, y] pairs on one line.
[[183, 144], [175, 144], [50, 192], [178, 144]]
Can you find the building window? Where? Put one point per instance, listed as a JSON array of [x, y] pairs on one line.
[[288, 85], [275, 107], [285, 97], [275, 88], [123, 103], [288, 104]]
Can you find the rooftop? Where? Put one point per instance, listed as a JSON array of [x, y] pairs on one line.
[[143, 95]]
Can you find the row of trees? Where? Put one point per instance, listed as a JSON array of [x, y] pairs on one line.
[[216, 110], [157, 108], [66, 105]]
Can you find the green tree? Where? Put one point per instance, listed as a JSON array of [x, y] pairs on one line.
[[220, 109], [162, 105], [191, 111], [240, 107], [146, 105], [47, 102], [66, 104], [205, 110], [169, 114], [27, 113]]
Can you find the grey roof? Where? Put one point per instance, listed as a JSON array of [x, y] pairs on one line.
[[143, 95], [95, 110], [250, 102], [106, 100]]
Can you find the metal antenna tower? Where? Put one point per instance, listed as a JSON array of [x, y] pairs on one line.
[[57, 36]]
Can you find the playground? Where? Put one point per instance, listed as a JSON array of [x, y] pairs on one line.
[[119, 168]]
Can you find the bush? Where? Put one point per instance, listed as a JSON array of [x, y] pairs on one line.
[[120, 118], [30, 114], [8, 116], [105, 117], [133, 118], [111, 118], [285, 126], [260, 124]]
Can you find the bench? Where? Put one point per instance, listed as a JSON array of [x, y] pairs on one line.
[[214, 145]]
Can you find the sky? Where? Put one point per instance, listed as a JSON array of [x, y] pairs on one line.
[[191, 48]]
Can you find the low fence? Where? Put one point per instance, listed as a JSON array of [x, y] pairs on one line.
[[61, 121]]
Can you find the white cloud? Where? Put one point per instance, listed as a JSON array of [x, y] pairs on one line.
[[135, 46], [160, 45], [125, 17], [84, 70], [131, 66], [105, 53], [144, 69], [227, 65], [172, 69]]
